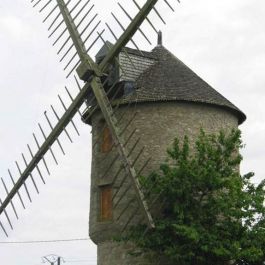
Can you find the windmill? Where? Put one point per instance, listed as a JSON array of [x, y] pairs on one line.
[[96, 92], [118, 151]]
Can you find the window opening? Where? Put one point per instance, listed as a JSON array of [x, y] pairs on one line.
[[107, 140], [106, 207]]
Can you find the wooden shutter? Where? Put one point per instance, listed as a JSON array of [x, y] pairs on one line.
[[105, 203], [107, 141]]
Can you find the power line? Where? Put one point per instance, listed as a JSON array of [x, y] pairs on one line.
[[80, 261], [44, 241]]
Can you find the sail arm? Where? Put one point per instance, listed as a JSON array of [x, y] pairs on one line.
[[53, 136], [128, 33]]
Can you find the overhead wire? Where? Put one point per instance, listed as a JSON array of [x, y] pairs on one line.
[[44, 241]]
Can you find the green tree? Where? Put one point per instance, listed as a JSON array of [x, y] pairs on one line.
[[209, 214]]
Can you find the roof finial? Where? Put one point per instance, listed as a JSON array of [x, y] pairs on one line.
[[159, 39]]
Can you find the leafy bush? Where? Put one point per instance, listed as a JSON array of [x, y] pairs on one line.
[[208, 213]]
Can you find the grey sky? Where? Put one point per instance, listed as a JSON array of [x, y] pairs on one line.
[[222, 41]]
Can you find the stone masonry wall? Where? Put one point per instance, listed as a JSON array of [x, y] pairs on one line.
[[157, 124]]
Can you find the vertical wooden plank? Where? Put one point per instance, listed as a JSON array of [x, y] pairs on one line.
[[107, 140], [106, 207]]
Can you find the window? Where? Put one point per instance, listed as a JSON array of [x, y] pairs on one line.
[[107, 141], [129, 87], [106, 203]]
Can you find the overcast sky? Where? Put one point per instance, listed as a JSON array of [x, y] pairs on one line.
[[222, 41]]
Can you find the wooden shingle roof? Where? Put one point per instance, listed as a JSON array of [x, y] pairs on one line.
[[169, 79]]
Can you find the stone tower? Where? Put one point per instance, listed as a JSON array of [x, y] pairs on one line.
[[170, 100]]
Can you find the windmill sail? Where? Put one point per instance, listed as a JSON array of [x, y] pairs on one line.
[[93, 93]]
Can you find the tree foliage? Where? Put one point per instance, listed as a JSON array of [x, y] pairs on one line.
[[208, 213]]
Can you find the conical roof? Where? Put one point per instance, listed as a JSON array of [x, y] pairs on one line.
[[169, 79]]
